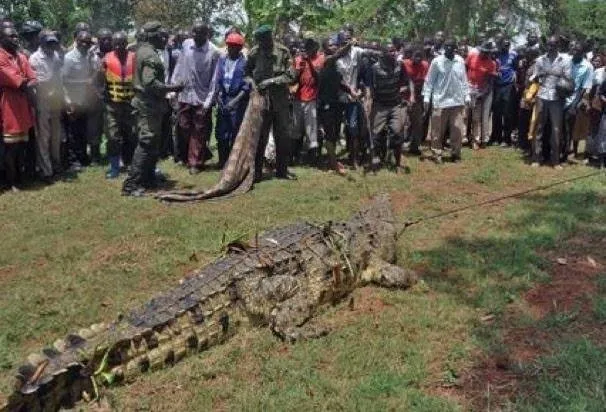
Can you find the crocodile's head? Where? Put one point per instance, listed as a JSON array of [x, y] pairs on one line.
[[379, 221]]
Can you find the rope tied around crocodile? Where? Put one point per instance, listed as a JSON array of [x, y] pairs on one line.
[[498, 199]]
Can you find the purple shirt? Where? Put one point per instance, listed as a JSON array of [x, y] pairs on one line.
[[196, 70]]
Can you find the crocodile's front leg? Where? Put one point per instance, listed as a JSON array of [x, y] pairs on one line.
[[292, 320], [384, 274]]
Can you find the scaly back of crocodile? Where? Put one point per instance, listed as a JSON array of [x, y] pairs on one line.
[[198, 313], [237, 175]]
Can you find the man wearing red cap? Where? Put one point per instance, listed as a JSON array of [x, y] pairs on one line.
[[232, 95]]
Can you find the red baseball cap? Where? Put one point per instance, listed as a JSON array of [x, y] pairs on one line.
[[234, 39]]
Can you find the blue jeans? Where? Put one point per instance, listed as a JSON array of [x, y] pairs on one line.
[[353, 119]]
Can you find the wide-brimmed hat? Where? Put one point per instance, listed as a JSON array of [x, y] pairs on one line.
[[48, 37], [31, 27]]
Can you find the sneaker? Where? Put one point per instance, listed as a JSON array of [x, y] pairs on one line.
[[112, 174], [75, 167], [160, 177], [340, 169], [139, 192], [287, 176], [475, 146], [399, 170], [194, 170], [558, 167], [534, 164], [504, 144]]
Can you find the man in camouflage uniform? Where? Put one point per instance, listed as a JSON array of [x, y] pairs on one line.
[[150, 105], [270, 67]]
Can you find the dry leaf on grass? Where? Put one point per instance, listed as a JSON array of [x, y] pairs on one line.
[[592, 262]]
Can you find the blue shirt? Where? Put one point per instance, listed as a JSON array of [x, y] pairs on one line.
[[508, 62], [582, 74], [230, 84]]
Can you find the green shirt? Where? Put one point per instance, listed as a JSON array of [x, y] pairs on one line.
[[276, 64], [148, 80]]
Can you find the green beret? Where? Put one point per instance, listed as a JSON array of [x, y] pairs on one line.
[[151, 27], [263, 29]]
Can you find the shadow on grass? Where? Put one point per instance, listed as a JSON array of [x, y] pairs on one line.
[[489, 271]]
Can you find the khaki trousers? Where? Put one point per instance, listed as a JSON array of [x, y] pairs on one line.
[[48, 139], [481, 121], [452, 119]]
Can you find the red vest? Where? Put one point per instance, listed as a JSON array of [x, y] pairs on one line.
[[119, 77]]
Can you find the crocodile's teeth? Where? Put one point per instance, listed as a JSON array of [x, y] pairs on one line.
[[35, 359], [98, 328], [86, 333], [60, 345]]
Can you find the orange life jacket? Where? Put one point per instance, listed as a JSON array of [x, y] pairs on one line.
[[119, 78]]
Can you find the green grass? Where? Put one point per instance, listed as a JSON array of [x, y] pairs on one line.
[[572, 380], [77, 253]]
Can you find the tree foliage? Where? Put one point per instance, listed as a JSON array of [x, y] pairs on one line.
[[388, 18], [373, 18], [587, 17]]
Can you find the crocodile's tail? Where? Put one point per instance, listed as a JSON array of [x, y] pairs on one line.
[[75, 367], [237, 176]]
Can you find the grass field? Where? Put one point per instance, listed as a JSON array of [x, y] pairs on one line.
[[510, 314]]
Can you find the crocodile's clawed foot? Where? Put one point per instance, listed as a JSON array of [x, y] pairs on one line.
[[293, 321], [387, 275], [295, 334]]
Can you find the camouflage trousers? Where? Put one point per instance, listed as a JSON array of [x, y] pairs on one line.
[[143, 167], [121, 137]]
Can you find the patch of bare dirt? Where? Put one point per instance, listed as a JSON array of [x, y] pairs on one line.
[[8, 272], [501, 376], [364, 301], [571, 287]]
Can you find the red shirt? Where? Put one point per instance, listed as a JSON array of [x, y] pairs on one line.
[[308, 85], [16, 113], [416, 73], [479, 69]]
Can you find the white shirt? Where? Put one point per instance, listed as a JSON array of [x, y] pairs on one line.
[[446, 83], [47, 68], [349, 66], [599, 76]]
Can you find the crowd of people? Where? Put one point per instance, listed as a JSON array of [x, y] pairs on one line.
[[160, 95]]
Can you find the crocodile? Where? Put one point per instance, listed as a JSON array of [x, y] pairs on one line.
[[281, 279]]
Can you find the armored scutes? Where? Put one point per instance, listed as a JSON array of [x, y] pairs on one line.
[[238, 174], [280, 281]]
